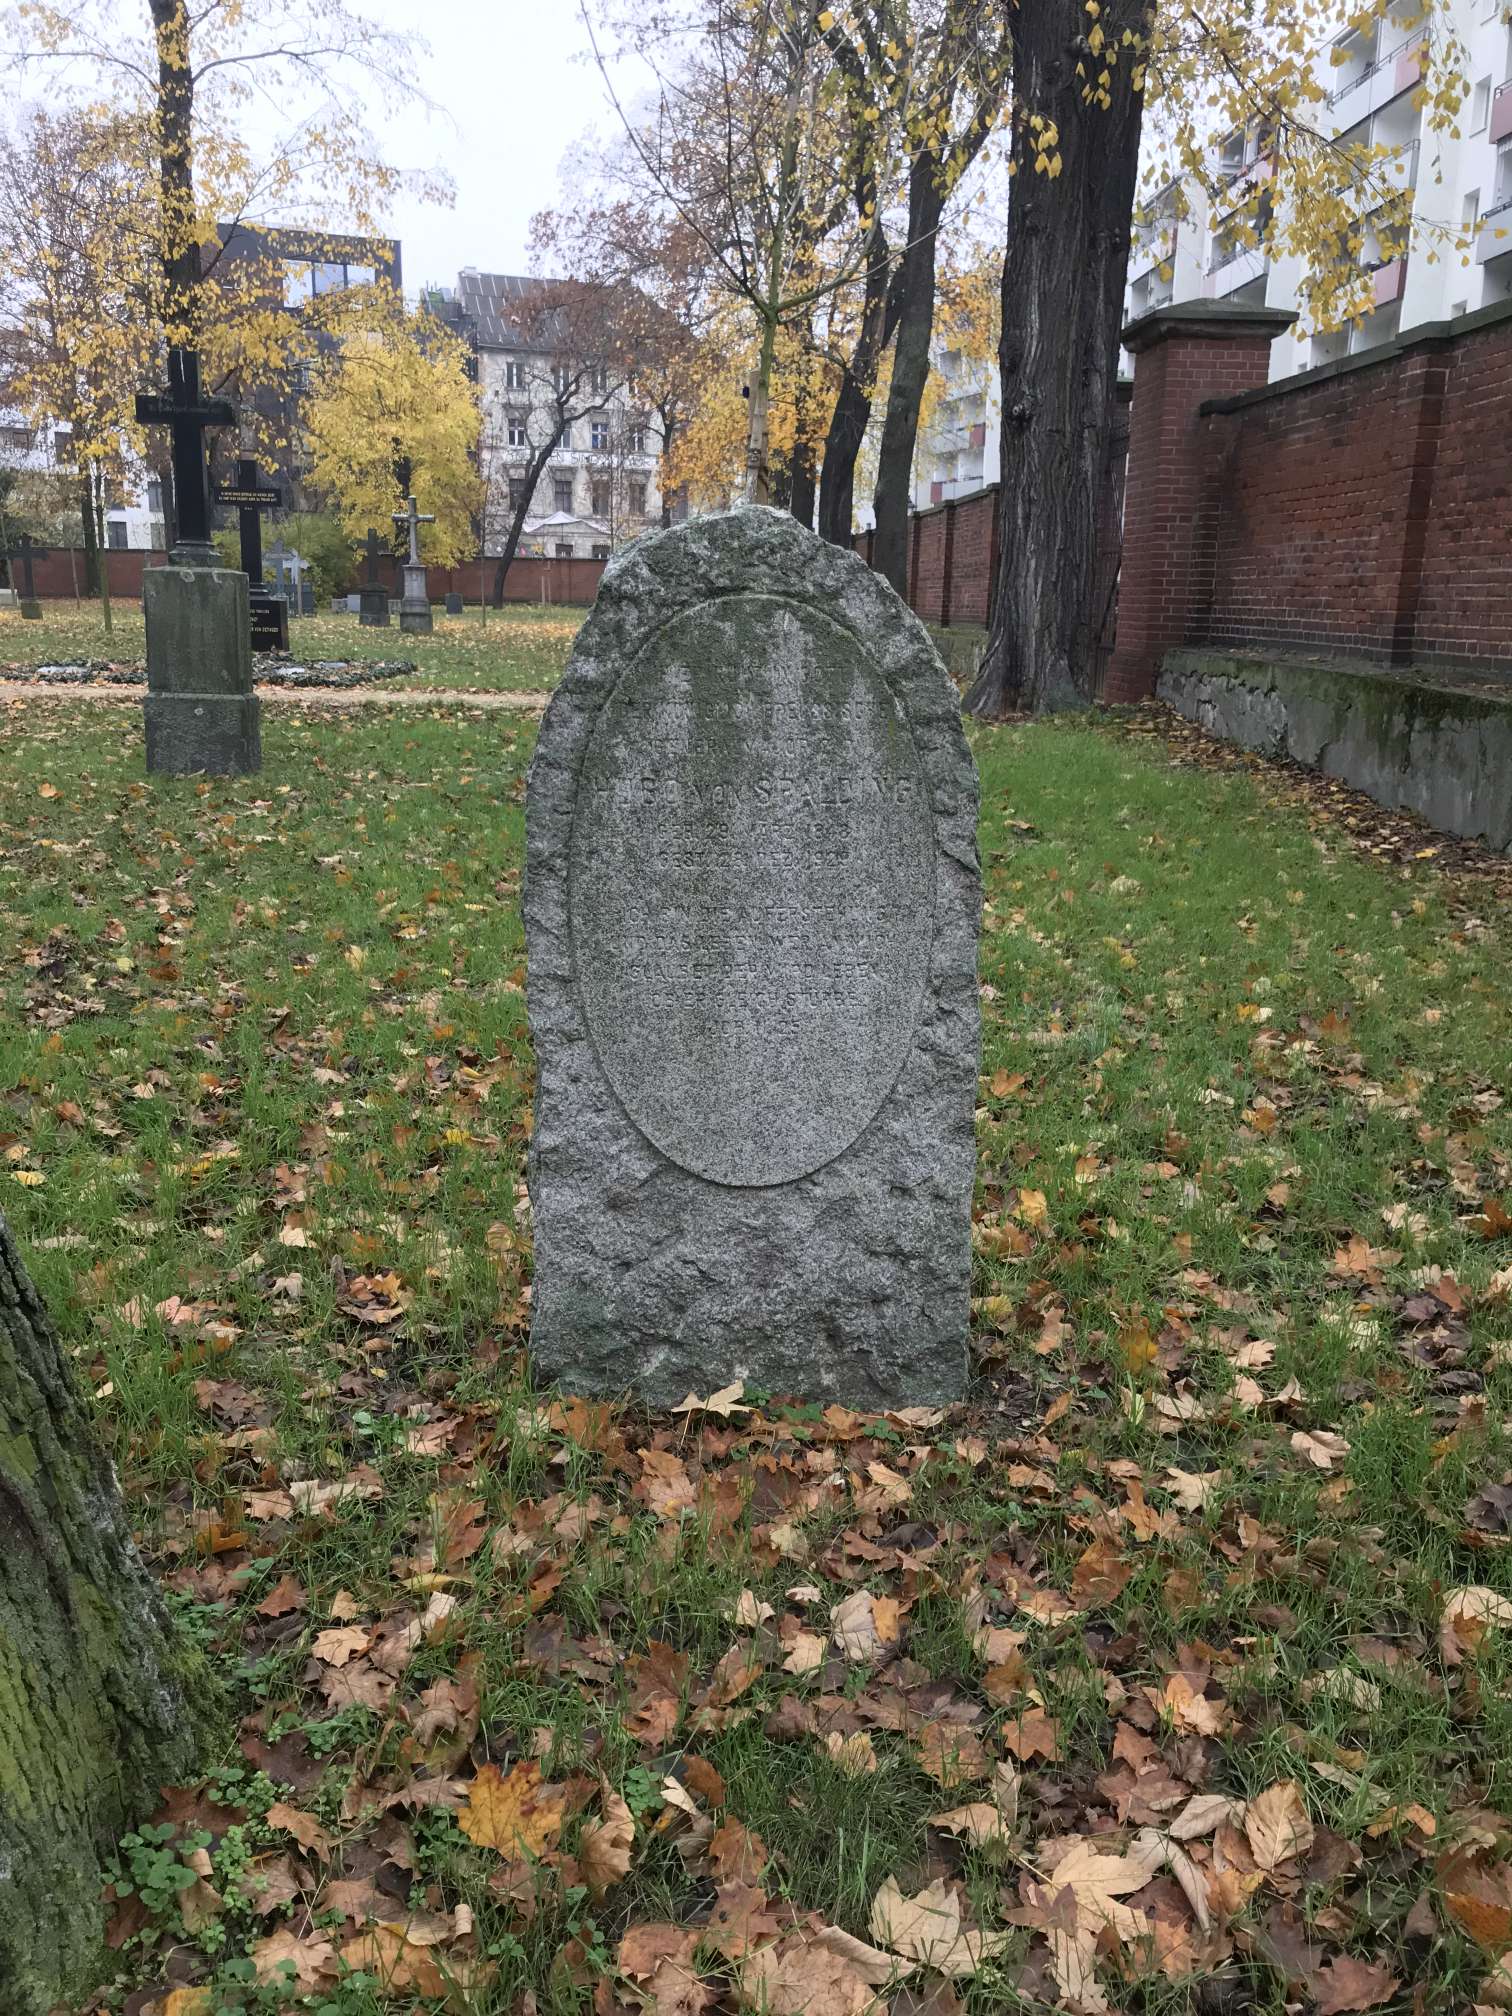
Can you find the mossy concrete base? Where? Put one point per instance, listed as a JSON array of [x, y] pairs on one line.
[[961, 646], [1411, 740]]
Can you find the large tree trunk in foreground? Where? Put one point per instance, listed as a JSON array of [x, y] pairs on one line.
[[94, 1710], [1063, 281], [853, 402]]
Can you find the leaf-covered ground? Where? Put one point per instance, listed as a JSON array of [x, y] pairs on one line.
[[521, 647], [1172, 1673]]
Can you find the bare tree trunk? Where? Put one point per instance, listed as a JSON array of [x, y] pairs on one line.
[[1063, 281], [175, 147], [900, 429], [95, 1705], [853, 402], [91, 540]]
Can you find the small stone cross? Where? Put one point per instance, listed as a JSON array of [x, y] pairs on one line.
[[414, 518]]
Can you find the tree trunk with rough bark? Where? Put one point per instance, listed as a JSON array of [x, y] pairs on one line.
[[1063, 282], [91, 543], [97, 1707], [900, 427], [853, 402]]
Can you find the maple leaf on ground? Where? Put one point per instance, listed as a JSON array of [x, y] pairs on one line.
[[865, 1626], [803, 1978], [927, 1927], [1347, 1984], [305, 1828], [665, 1485], [1321, 1447], [410, 1955], [516, 1814], [1033, 1734], [724, 1403], [1101, 1575], [287, 1958], [607, 1845], [1277, 1826], [984, 1824], [952, 1756], [1468, 1614]]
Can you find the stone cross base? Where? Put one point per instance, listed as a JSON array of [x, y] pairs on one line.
[[31, 610], [414, 606], [203, 734], [374, 610], [201, 713]]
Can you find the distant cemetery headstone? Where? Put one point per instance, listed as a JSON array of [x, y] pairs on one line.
[[201, 712], [27, 550], [374, 606], [269, 617], [414, 603], [751, 906], [453, 603]]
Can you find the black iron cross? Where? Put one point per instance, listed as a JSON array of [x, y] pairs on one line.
[[252, 497], [186, 416], [372, 557], [28, 550]]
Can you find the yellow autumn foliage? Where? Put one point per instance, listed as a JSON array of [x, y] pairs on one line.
[[396, 389]]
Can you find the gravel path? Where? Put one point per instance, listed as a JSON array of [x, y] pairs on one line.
[[283, 696]]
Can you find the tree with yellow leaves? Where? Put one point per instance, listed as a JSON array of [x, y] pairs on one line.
[[77, 262], [395, 396], [187, 87]]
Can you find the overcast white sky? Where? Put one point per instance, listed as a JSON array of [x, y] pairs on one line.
[[504, 72]]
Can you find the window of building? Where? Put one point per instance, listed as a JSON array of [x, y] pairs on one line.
[[361, 276], [561, 493], [566, 441], [115, 533], [514, 374], [601, 505], [638, 500], [1470, 209], [637, 436], [561, 378], [599, 434], [519, 492], [599, 377], [155, 495], [1480, 105], [601, 552], [563, 549], [515, 432]]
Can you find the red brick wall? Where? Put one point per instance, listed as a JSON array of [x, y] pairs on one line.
[[1357, 511], [59, 574], [1464, 610]]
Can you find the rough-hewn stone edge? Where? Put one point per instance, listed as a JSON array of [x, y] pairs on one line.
[[660, 576], [1413, 745]]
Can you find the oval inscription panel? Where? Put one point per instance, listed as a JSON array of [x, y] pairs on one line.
[[751, 892]]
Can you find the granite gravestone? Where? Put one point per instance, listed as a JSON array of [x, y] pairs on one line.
[[201, 713], [751, 906]]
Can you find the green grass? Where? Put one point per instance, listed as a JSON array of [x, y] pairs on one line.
[[520, 648], [264, 1044]]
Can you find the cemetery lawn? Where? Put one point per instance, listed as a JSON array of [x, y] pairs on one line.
[[1180, 1660], [521, 648]]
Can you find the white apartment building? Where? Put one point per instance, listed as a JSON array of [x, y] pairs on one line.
[[600, 486], [1462, 186]]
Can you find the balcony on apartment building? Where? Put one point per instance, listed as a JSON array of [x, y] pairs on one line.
[[1493, 237], [1501, 113], [1152, 242], [1374, 80]]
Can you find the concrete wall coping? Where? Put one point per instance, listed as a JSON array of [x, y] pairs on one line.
[[1421, 336], [1214, 321]]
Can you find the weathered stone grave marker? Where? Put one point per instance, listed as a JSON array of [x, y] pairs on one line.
[[414, 604], [269, 617], [751, 906], [374, 602], [27, 550], [201, 712]]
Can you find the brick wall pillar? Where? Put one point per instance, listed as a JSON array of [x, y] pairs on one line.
[[1183, 355]]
